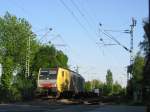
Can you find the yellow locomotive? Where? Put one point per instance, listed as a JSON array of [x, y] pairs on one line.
[[60, 80]]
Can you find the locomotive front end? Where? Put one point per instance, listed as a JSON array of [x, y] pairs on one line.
[[47, 79]]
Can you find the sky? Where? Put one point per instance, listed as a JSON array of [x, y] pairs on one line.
[[75, 25]]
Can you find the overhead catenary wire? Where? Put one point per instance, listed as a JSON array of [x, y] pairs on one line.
[[57, 35], [77, 20], [64, 44], [114, 39], [49, 30], [19, 6], [87, 13], [81, 13], [75, 17], [118, 31], [91, 24], [81, 25], [26, 12], [40, 30], [94, 16], [60, 36], [106, 33]]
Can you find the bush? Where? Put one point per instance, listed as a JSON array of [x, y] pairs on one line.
[[26, 86], [9, 94], [14, 94]]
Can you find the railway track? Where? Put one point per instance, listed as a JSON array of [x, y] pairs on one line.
[[72, 101], [88, 98]]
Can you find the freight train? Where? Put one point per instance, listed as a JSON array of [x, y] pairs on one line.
[[60, 80]]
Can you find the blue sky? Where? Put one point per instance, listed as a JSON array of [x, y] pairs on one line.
[[81, 39]]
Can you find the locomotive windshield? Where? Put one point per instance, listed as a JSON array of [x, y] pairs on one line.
[[47, 74]]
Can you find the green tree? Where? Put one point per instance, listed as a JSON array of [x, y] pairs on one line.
[[146, 73], [138, 66], [117, 88], [109, 78], [96, 84], [62, 59], [14, 35], [48, 56], [135, 84], [87, 86], [144, 45], [109, 82]]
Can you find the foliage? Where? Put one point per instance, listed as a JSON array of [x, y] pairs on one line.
[[109, 78], [144, 45], [117, 88], [26, 86], [105, 88], [87, 86], [13, 38], [96, 84], [7, 72], [93, 84], [15, 34], [135, 83], [14, 94], [138, 66], [9, 95], [47, 56], [146, 72], [109, 82]]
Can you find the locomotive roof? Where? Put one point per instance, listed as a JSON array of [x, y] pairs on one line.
[[56, 68]]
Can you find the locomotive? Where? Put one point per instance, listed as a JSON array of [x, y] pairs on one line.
[[60, 80]]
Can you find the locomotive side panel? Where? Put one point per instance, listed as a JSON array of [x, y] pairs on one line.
[[73, 82], [77, 82], [82, 82], [63, 80], [60, 80]]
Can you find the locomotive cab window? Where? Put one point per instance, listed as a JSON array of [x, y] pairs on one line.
[[46, 75]]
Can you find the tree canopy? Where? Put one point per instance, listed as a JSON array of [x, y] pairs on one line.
[[146, 72], [48, 56], [109, 78], [15, 33], [138, 66]]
